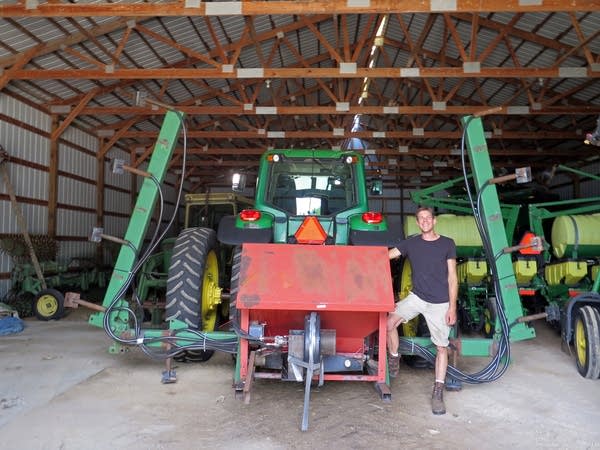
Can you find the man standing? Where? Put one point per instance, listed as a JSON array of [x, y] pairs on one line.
[[434, 290]]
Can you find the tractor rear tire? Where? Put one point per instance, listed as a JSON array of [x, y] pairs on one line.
[[235, 284], [587, 341], [193, 273], [48, 304]]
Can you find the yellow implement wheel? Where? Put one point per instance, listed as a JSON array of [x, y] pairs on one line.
[[489, 317], [49, 304], [409, 329], [405, 279], [211, 293], [587, 341]]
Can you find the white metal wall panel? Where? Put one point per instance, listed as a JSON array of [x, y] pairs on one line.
[[116, 226], [32, 183], [24, 113], [590, 187], [77, 163], [69, 250], [36, 218], [4, 285], [76, 193], [123, 181], [117, 201], [75, 223]]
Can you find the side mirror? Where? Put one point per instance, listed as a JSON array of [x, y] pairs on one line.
[[238, 182], [376, 187]]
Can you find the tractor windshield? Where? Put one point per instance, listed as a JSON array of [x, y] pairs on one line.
[[312, 186]]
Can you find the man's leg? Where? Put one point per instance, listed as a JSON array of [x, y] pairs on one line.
[[405, 310], [394, 320], [441, 363], [436, 321]]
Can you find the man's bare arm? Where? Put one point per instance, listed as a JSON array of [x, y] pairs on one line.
[[452, 292], [394, 253]]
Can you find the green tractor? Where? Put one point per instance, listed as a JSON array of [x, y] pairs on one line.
[[192, 270], [296, 185]]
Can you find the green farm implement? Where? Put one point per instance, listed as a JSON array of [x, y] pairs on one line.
[[310, 284]]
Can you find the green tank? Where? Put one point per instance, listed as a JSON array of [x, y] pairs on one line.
[[462, 229], [577, 233]]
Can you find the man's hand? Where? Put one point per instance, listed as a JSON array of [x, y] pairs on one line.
[[451, 317], [393, 253]]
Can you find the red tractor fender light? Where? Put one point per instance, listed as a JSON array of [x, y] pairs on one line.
[[372, 217], [249, 215]]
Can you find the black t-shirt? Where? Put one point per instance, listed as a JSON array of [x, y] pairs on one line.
[[429, 265]]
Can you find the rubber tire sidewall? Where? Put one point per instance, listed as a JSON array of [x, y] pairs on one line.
[[60, 310], [185, 282], [590, 320]]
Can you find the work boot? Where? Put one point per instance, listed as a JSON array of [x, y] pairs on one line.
[[393, 365], [437, 399]]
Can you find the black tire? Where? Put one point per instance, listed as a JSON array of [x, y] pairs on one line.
[[488, 317], [48, 304], [234, 284], [194, 259], [587, 341]]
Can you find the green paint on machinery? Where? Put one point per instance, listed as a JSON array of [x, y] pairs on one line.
[[308, 203], [302, 196], [567, 277], [556, 284], [202, 210], [476, 306], [28, 294]]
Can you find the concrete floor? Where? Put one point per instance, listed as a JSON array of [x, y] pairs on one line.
[[60, 389]]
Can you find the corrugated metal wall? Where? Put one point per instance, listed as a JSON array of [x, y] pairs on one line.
[[77, 187], [27, 182], [562, 183]]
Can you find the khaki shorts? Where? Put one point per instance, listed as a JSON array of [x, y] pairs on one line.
[[434, 313]]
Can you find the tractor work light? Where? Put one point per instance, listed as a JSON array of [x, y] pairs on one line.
[[372, 217], [273, 158], [249, 215], [351, 160]]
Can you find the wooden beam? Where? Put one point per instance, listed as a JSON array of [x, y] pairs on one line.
[[328, 110], [252, 8], [369, 135], [72, 115], [311, 73]]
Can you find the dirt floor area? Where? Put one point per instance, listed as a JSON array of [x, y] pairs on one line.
[[61, 389]]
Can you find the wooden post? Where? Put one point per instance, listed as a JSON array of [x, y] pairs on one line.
[[53, 181], [19, 215]]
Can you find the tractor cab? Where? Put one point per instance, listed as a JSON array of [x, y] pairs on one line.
[[296, 184]]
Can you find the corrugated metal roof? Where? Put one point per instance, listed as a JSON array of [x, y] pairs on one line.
[[538, 40]]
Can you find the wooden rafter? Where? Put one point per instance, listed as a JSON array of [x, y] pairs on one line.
[[28, 8]]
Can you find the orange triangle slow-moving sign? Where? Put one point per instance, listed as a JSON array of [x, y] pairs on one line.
[[310, 232]]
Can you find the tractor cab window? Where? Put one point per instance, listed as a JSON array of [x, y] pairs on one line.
[[311, 186]]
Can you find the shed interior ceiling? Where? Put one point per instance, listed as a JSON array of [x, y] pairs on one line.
[[388, 79]]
